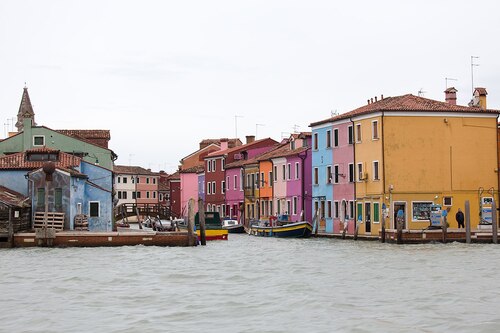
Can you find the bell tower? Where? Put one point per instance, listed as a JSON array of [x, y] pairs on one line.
[[25, 111]]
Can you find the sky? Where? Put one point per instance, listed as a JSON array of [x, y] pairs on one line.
[[164, 75]]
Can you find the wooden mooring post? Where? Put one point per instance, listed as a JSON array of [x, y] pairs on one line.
[[382, 235], [11, 229], [201, 215], [192, 239], [467, 222], [494, 225], [445, 227]]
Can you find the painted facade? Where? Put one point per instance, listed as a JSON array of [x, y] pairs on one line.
[[321, 170], [234, 191], [134, 184], [189, 188]]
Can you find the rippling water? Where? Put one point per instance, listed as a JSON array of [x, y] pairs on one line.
[[251, 284]]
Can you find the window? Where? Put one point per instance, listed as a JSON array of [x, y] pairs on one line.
[[209, 166], [322, 203], [252, 184], [270, 178], [376, 212], [447, 201], [336, 137], [119, 195], [294, 205], [223, 186], [329, 209], [257, 180], [275, 173], [375, 171], [242, 177], [124, 180], [147, 194], [350, 135], [213, 166], [138, 195], [315, 141], [283, 167], [336, 173], [316, 176], [118, 179], [351, 209], [358, 132], [124, 194], [375, 130], [329, 139], [329, 175], [133, 179], [222, 164], [360, 172], [270, 207], [147, 180], [38, 140], [296, 170], [137, 179], [316, 208], [336, 209], [94, 209], [235, 179], [154, 194], [209, 188], [289, 171], [249, 183], [288, 207], [227, 183], [154, 180], [421, 211], [214, 188], [278, 206], [42, 157], [359, 212], [40, 197], [262, 180], [58, 197], [351, 173], [133, 195]]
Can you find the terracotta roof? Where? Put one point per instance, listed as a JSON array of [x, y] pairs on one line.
[[406, 103], [132, 170], [195, 169], [238, 148], [13, 198], [19, 160], [163, 187], [231, 142], [174, 176], [97, 137]]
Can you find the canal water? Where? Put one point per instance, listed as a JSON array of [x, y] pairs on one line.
[[251, 284]]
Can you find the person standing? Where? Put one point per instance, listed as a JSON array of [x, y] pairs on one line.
[[460, 218]]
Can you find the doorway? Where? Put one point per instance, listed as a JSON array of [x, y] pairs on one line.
[[368, 220], [399, 206]]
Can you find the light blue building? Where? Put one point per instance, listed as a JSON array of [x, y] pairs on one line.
[[322, 189]]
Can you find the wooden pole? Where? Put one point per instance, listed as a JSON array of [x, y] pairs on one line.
[[494, 225], [382, 238], [11, 229], [201, 214], [356, 230], [399, 226], [467, 222], [445, 229], [190, 225]]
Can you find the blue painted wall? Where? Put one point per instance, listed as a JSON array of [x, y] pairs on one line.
[[98, 188], [15, 180], [321, 158]]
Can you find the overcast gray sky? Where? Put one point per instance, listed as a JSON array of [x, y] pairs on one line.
[[163, 75]]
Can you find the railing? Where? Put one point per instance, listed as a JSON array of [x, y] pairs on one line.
[[131, 209]]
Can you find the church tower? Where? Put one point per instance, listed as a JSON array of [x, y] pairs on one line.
[[25, 111]]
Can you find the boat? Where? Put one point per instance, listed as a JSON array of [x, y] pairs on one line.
[[213, 226], [232, 226], [302, 229]]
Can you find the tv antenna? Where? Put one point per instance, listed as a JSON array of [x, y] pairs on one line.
[[421, 92], [334, 113], [472, 65], [296, 128], [446, 79]]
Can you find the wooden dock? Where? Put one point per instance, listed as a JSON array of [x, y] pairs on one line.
[[94, 239]]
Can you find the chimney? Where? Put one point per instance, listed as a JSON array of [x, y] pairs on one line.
[[381, 97], [250, 138], [451, 95], [224, 144], [480, 97], [371, 100], [375, 98], [368, 101]]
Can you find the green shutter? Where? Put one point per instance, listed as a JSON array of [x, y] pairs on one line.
[[359, 211], [376, 212], [58, 197], [40, 200]]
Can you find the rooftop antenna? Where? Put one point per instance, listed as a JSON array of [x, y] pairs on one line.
[[334, 113], [236, 126], [421, 92], [472, 65], [446, 79], [256, 129], [296, 128]]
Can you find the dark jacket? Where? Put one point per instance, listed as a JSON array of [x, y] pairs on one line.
[[460, 217]]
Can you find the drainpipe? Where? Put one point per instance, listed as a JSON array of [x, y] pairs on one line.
[[354, 175], [303, 157]]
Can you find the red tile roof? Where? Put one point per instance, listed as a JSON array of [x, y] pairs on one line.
[[195, 169], [132, 170], [13, 198], [238, 148], [406, 103], [19, 160]]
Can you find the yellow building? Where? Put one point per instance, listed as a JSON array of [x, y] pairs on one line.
[[412, 152]]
